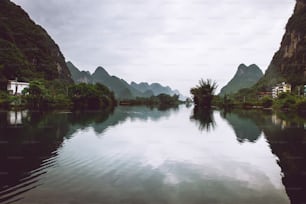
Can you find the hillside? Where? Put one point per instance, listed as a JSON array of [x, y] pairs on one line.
[[79, 76], [121, 88], [245, 77], [26, 50], [289, 62]]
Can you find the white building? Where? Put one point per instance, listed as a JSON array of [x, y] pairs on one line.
[[16, 87], [281, 88]]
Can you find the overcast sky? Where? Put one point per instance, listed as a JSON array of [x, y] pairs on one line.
[[174, 42]]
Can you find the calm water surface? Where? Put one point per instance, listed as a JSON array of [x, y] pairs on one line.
[[141, 155]]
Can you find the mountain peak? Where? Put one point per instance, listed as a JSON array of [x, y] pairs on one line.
[[101, 71], [242, 66], [250, 70], [245, 77], [119, 86], [79, 76]]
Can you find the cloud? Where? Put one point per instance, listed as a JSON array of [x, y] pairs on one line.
[[175, 42]]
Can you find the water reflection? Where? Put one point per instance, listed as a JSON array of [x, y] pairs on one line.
[[204, 119], [285, 132], [17, 118], [288, 142], [143, 155], [26, 152], [242, 122], [31, 150], [288, 120]]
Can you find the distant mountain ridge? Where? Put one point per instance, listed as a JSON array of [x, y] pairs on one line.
[[155, 88], [79, 76], [121, 88], [245, 77]]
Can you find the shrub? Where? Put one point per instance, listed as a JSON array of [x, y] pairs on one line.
[[301, 106], [267, 102]]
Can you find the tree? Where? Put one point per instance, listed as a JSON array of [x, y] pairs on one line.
[[204, 93], [38, 97], [89, 96]]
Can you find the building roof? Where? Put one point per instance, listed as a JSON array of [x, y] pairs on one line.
[[18, 82]]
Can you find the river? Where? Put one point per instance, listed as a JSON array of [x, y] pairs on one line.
[[144, 155]]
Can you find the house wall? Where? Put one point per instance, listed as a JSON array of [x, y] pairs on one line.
[[17, 87], [281, 88]]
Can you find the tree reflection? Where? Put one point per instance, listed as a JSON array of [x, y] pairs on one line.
[[28, 148], [29, 141], [203, 118]]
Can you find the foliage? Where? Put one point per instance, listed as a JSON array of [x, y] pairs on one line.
[[285, 101], [89, 96], [38, 96], [26, 50], [163, 101], [82, 96], [6, 100], [267, 102], [225, 102], [301, 106], [203, 93]]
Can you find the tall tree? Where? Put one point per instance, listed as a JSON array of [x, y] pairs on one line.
[[204, 93]]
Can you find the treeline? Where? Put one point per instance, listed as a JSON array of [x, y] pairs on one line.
[[162, 100], [46, 95], [50, 95], [204, 98], [285, 101]]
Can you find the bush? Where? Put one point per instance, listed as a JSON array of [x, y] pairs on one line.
[[89, 96], [301, 106], [286, 102], [267, 102], [5, 100]]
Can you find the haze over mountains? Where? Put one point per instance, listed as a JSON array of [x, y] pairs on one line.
[[121, 88], [245, 77]]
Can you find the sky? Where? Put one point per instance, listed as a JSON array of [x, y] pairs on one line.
[[173, 42]]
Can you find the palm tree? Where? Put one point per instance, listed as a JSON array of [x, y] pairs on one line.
[[203, 93]]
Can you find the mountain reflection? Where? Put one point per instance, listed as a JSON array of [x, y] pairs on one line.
[[285, 132], [288, 142], [243, 124], [204, 119], [35, 149], [29, 142], [27, 150]]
